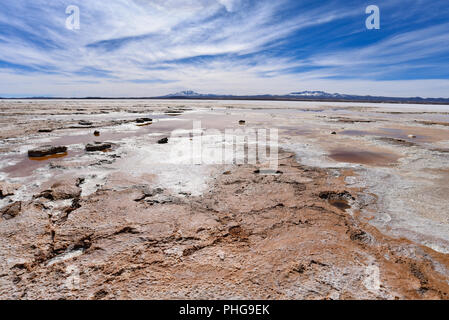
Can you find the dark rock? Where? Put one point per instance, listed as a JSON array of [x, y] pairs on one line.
[[332, 195], [47, 194], [174, 112], [333, 132], [143, 120], [85, 123], [361, 236], [96, 133], [100, 294], [45, 130], [46, 151], [268, 172], [98, 146], [163, 141], [80, 181], [241, 122], [11, 210], [74, 206]]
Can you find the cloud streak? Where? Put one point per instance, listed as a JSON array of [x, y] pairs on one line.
[[153, 47]]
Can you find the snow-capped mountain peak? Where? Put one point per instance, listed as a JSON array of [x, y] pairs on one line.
[[186, 93], [315, 94]]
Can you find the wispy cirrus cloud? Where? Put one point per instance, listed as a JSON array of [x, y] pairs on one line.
[[152, 47]]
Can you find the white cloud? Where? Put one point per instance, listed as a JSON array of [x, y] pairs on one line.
[[230, 5], [173, 41]]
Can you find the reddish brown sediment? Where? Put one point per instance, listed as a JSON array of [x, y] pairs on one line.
[[251, 236], [102, 226], [437, 123], [53, 156], [369, 157]]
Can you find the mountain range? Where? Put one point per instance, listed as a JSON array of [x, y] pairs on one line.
[[306, 96], [293, 96]]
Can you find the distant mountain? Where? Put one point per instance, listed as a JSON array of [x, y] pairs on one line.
[[188, 93], [316, 94], [321, 95], [307, 96], [293, 96]]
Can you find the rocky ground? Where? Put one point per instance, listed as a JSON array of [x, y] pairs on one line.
[[121, 223]]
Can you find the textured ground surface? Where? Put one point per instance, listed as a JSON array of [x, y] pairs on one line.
[[360, 214]]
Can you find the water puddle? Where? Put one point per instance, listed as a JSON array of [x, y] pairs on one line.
[[173, 114], [163, 124], [407, 134], [364, 157], [356, 133], [340, 204], [53, 156], [403, 134], [26, 165], [295, 130], [337, 200]]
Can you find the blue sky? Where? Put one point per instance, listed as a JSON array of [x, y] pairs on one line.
[[155, 47]]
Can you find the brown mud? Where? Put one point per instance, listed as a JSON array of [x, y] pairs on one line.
[[252, 236]]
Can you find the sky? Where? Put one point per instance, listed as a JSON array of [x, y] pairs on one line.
[[136, 48]]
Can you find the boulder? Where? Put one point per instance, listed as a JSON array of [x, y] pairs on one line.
[[163, 141], [242, 122], [96, 133], [98, 146], [11, 210], [46, 151]]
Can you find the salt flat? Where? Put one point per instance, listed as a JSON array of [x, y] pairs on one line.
[[359, 197]]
